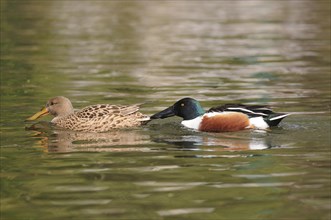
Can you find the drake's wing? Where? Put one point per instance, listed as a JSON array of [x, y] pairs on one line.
[[250, 110]]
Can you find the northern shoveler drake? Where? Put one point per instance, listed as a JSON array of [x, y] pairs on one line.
[[93, 118], [229, 117]]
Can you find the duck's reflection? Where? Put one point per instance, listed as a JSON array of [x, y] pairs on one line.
[[55, 140], [144, 140], [218, 142], [184, 139]]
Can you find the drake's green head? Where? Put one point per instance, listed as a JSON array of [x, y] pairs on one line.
[[186, 108]]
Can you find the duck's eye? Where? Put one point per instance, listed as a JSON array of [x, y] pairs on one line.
[[182, 104]]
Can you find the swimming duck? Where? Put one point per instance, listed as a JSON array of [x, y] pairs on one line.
[[229, 117], [93, 118]]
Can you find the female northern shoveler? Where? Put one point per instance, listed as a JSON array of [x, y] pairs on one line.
[[94, 118], [229, 117]]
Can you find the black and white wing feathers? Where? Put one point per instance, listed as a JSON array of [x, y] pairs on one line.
[[270, 117], [250, 110]]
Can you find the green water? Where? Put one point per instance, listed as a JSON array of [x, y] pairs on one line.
[[126, 52]]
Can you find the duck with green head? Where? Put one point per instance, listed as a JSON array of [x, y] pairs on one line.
[[229, 117]]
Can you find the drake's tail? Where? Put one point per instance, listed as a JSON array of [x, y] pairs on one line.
[[275, 118]]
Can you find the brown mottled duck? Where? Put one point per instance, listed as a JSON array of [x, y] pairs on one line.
[[93, 118]]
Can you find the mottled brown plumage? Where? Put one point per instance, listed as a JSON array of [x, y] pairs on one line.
[[94, 118]]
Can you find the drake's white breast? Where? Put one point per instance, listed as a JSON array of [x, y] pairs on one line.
[[193, 123]]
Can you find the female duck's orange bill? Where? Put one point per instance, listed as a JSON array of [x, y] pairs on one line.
[[44, 111]]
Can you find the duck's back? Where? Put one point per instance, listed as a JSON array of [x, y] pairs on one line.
[[102, 117]]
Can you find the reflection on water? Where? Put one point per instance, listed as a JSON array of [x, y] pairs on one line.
[[71, 141], [60, 140], [221, 141]]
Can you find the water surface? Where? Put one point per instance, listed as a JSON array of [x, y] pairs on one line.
[[125, 52]]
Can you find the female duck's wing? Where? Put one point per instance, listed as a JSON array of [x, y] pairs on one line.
[[101, 110]]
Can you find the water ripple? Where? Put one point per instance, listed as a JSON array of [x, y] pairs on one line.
[[252, 185], [184, 211]]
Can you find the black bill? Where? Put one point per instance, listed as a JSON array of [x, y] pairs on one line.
[[168, 112]]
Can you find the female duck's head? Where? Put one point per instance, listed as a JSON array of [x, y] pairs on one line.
[[58, 107]]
